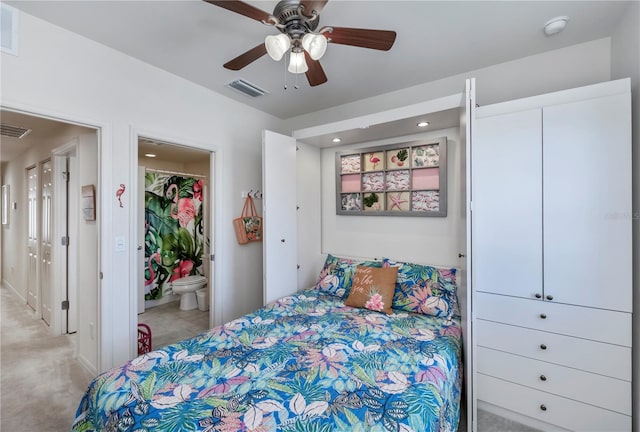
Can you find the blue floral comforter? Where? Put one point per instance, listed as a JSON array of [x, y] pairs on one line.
[[304, 363]]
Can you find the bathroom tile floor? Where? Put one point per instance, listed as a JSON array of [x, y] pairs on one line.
[[169, 324]]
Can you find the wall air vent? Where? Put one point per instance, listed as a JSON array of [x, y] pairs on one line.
[[247, 88], [13, 131]]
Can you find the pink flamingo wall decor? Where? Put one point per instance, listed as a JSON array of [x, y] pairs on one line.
[[120, 192]]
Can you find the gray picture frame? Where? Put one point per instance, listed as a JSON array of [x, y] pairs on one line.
[[353, 202]]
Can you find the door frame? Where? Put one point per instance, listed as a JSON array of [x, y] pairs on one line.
[[214, 179], [104, 333]]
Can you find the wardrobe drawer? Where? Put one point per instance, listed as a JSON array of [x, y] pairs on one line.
[[542, 406], [589, 323], [597, 357], [612, 394]]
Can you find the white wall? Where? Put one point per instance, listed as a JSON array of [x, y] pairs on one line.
[[65, 75], [428, 240], [88, 259], [574, 66], [14, 236], [625, 62]]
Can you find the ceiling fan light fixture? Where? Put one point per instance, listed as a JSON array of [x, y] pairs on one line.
[[277, 45], [297, 63], [315, 44]]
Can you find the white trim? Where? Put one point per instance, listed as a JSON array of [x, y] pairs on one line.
[[135, 133], [434, 105], [16, 292], [87, 364], [609, 88], [104, 332]]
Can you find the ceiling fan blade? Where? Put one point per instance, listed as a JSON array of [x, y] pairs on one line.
[[242, 8], [315, 74], [313, 5], [244, 59], [365, 38]]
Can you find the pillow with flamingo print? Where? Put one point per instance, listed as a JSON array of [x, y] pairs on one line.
[[425, 289], [337, 274], [373, 288]]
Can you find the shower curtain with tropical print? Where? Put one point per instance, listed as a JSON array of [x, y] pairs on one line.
[[174, 230]]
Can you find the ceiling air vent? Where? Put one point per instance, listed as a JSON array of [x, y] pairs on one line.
[[13, 131], [247, 88]]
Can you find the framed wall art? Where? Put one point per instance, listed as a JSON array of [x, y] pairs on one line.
[[89, 202], [408, 179]]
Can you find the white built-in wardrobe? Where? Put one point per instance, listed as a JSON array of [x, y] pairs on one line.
[[544, 248], [552, 258]]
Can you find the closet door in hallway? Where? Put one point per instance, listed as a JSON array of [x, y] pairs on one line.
[[32, 238], [45, 242]]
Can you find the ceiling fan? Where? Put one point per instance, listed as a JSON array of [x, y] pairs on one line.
[[297, 21]]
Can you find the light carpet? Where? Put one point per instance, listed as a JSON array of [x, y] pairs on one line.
[[41, 383]]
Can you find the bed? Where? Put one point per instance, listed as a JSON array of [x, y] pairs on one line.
[[306, 362]]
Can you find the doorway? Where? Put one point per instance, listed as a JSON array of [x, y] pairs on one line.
[[173, 239], [42, 207]]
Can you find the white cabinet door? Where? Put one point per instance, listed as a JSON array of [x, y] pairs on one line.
[[507, 204], [280, 274], [587, 207]]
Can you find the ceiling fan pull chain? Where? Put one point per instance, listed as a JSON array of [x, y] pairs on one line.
[[284, 79]]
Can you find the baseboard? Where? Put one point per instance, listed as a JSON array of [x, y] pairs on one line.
[[15, 291], [89, 367]]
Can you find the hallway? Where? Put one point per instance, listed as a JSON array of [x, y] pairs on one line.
[[41, 383]]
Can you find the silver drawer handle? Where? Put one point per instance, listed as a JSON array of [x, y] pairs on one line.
[[543, 407]]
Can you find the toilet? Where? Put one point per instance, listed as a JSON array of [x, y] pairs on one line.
[[186, 288]]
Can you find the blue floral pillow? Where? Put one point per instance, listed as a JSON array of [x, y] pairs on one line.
[[425, 289], [337, 274]]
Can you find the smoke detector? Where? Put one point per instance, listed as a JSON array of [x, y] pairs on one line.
[[555, 25]]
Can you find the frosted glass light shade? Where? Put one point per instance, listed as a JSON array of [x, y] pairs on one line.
[[277, 45], [315, 44], [297, 64]]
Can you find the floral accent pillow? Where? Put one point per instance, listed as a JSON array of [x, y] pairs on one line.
[[425, 289], [373, 288], [337, 274]]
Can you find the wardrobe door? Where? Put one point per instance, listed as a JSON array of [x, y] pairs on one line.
[[507, 204], [280, 246], [587, 202]]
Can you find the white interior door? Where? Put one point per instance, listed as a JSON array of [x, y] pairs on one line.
[[46, 172], [280, 276], [465, 279], [32, 238], [587, 239], [507, 209]]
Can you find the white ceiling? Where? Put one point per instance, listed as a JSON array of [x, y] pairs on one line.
[[436, 39]]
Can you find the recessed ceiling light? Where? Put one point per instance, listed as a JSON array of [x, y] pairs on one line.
[[336, 140], [555, 25], [423, 124], [150, 155]]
